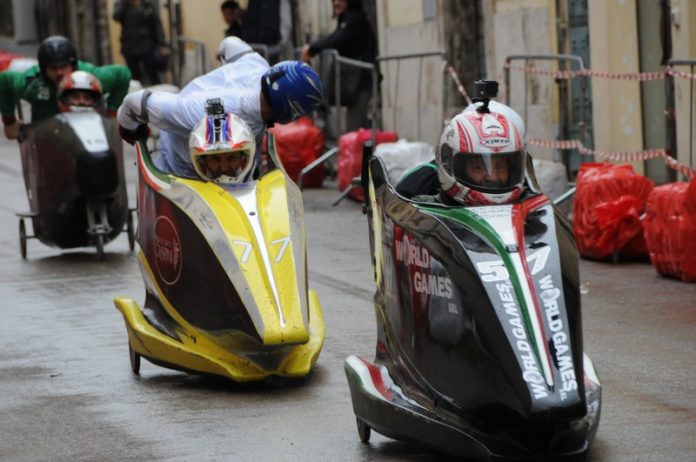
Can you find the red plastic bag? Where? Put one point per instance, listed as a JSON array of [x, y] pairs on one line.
[[350, 149], [298, 144], [609, 202], [670, 228], [6, 59]]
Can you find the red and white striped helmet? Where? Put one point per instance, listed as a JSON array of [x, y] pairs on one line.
[[217, 136], [79, 91], [482, 156]]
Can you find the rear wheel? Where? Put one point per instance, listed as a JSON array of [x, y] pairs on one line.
[[134, 360], [100, 247], [22, 239], [131, 231], [364, 430]]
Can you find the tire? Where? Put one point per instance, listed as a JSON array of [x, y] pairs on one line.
[[364, 430], [131, 231], [22, 239], [134, 360], [100, 247]]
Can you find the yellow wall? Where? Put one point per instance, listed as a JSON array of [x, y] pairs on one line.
[[616, 104], [526, 27], [201, 20], [403, 12]]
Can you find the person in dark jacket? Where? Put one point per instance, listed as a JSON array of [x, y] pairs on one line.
[[353, 38], [262, 22], [142, 38], [232, 13]]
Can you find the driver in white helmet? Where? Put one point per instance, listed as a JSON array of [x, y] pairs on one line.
[[79, 91], [222, 148], [260, 95], [480, 160]]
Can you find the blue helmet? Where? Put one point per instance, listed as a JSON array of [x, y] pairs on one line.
[[293, 89]]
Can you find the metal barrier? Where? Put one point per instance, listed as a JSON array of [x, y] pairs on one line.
[[376, 116], [671, 110], [274, 53], [376, 107], [560, 58], [331, 57], [189, 69], [570, 193], [327, 58]]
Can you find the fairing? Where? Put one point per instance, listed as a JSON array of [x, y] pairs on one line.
[[478, 313], [67, 161], [224, 266]]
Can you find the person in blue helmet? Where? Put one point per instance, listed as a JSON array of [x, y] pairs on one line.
[[246, 85]]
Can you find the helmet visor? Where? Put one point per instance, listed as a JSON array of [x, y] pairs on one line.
[[228, 166], [489, 172]]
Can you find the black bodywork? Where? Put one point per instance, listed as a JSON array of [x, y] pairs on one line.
[[459, 358], [62, 177]]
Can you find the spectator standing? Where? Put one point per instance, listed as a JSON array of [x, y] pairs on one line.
[[247, 87], [232, 13], [142, 38], [353, 38], [262, 25]]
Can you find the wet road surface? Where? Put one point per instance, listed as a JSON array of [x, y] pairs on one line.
[[67, 393]]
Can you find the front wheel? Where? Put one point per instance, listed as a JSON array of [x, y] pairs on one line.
[[134, 360], [364, 430], [131, 231], [100, 247], [22, 239]]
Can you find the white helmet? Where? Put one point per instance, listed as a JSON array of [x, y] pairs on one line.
[[232, 48], [482, 156], [79, 91], [222, 149]]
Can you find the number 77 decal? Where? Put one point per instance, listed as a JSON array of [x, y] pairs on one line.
[[283, 241], [495, 270]]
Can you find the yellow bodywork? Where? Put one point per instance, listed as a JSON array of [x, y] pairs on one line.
[[198, 354], [271, 258]]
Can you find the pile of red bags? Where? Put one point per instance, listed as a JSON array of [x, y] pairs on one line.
[[298, 144], [607, 209], [6, 59], [350, 149], [670, 230]]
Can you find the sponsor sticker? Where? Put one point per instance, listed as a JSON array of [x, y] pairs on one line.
[[168, 258]]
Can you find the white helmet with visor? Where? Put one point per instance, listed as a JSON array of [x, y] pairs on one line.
[[222, 149], [482, 156]]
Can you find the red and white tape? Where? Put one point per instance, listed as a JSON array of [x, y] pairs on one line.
[[458, 83], [618, 156], [634, 76]]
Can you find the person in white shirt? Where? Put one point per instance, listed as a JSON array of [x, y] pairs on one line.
[[260, 95]]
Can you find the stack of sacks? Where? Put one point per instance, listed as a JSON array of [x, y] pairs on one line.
[[670, 230], [400, 157], [607, 210], [298, 144], [350, 150]]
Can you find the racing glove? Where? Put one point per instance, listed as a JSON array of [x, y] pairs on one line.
[[131, 136]]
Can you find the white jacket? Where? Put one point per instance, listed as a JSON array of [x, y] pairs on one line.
[[237, 84]]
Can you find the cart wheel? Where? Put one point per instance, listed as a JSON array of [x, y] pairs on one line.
[[134, 360], [364, 430], [22, 239], [100, 247], [131, 231]]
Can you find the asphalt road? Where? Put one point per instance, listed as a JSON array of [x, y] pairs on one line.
[[67, 393]]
